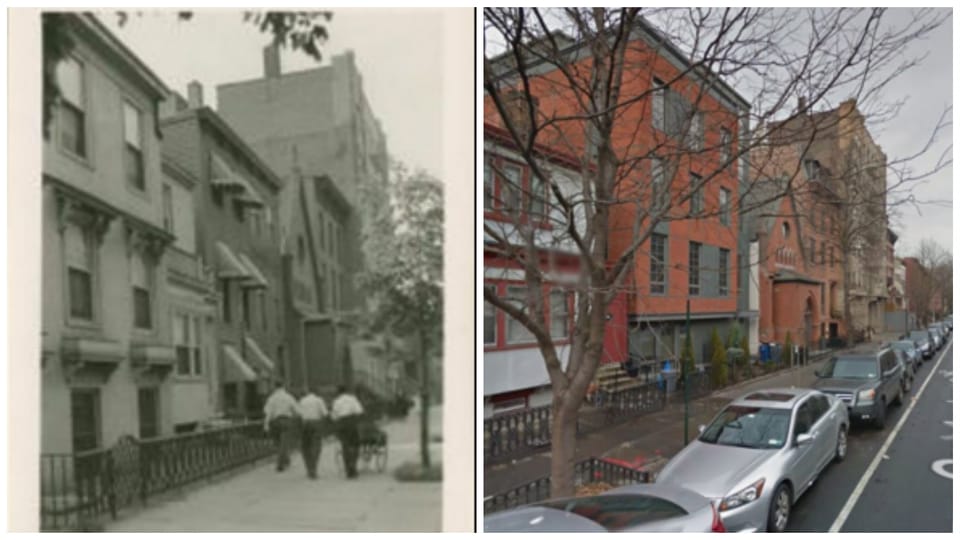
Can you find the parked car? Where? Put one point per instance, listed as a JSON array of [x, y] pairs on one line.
[[761, 453], [634, 508], [949, 320], [910, 349], [924, 342], [867, 381], [937, 337], [943, 328], [907, 380]]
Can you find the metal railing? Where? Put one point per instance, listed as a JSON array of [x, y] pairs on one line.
[[591, 470], [516, 434], [82, 488], [611, 408]]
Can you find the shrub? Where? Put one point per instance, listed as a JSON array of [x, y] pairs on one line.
[[414, 472], [745, 347], [718, 362]]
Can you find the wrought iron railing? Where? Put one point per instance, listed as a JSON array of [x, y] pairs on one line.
[[518, 433], [611, 408], [591, 470], [77, 489]]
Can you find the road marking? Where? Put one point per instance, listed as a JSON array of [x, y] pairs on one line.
[[940, 467], [862, 485]]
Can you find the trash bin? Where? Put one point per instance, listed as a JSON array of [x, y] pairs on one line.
[[765, 352], [670, 376]]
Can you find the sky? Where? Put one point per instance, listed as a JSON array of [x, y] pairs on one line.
[[397, 52], [928, 91]]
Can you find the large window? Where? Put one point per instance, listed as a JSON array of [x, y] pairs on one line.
[[133, 147], [696, 199], [186, 341], [726, 145], [559, 314], [658, 262], [140, 278], [489, 324], [85, 418], [694, 269], [657, 113], [72, 115], [725, 206], [723, 277], [516, 332], [695, 135], [510, 188], [659, 188], [80, 271]]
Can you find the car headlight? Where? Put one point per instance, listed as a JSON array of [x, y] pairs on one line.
[[866, 395], [742, 497]]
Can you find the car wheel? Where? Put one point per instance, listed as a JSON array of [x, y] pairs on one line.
[[841, 452], [898, 401], [779, 513], [880, 420]]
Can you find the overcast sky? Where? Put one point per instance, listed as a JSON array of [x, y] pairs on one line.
[[398, 52]]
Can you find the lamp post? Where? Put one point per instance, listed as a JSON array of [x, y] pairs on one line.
[[686, 379]]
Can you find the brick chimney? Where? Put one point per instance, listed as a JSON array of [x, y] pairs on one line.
[[271, 61], [195, 94]]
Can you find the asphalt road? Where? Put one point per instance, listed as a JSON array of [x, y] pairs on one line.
[[903, 493]]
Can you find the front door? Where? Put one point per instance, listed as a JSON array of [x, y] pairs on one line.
[[148, 407], [806, 457], [85, 418]]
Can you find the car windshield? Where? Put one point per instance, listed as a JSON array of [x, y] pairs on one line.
[[850, 367], [749, 427], [902, 345], [618, 512], [920, 336]]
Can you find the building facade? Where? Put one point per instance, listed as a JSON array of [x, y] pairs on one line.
[[106, 358], [237, 240]]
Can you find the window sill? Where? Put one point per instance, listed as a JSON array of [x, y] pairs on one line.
[[83, 161], [142, 194]]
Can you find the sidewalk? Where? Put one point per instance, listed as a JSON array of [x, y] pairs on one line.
[[649, 440], [263, 500]]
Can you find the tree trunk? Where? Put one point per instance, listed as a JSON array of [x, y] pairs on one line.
[[424, 402], [563, 439]]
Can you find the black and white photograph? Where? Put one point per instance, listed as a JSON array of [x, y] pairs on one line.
[[241, 235]]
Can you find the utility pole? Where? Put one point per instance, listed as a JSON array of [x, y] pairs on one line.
[[686, 380]]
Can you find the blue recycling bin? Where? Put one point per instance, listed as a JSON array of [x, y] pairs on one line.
[[764, 352], [668, 377]]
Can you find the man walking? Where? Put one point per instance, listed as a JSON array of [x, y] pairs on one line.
[[346, 413], [312, 412], [279, 413]]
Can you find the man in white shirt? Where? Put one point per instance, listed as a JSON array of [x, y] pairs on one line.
[[347, 412], [312, 411], [279, 411]]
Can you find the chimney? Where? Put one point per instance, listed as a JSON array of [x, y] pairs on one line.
[[195, 95], [271, 61]]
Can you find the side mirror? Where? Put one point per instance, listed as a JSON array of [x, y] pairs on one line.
[[701, 429], [804, 438]]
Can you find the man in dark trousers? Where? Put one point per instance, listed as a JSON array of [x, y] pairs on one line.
[[312, 412], [280, 412], [346, 413]]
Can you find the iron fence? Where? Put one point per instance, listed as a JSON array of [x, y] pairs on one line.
[[591, 470], [516, 434], [611, 408], [79, 489]]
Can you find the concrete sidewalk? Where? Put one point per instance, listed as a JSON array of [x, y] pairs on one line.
[[649, 441], [263, 500]]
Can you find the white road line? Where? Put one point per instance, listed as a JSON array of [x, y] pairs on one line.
[[862, 485]]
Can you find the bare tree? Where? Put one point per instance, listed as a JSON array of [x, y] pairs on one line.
[[592, 83], [931, 281]]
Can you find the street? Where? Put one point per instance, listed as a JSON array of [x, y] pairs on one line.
[[904, 486]]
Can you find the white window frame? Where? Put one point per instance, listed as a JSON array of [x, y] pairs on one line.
[[517, 295], [565, 302]]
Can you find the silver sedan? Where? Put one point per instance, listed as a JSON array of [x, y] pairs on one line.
[[761, 453]]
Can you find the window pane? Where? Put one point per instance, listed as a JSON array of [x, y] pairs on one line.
[[81, 294], [149, 412], [183, 360], [659, 192], [489, 324], [72, 130], [657, 264], [559, 314], [694, 268], [510, 190], [133, 167], [723, 277], [724, 206], [537, 194], [138, 272], [696, 200], [141, 308], [131, 125], [70, 81], [516, 332], [77, 248], [657, 114]]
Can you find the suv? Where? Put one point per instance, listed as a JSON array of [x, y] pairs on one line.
[[866, 381], [924, 342]]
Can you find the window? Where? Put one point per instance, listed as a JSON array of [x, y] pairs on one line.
[[510, 188], [186, 342], [785, 229], [230, 400], [73, 128], [658, 263], [489, 324], [696, 199], [149, 412], [225, 300], [80, 271], [695, 135], [85, 418], [132, 150], [487, 185], [805, 418], [536, 205], [724, 271], [694, 269], [140, 278], [658, 103], [725, 206], [659, 191], [559, 314], [167, 208], [516, 332], [726, 145]]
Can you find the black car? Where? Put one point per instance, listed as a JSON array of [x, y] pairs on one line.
[[867, 381]]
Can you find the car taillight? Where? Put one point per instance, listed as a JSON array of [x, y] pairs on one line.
[[717, 525]]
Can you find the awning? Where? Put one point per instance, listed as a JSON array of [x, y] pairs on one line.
[[255, 277], [250, 198], [224, 178], [152, 355], [257, 353], [230, 265], [93, 350], [235, 369]]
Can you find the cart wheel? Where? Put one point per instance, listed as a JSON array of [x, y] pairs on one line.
[[381, 459]]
